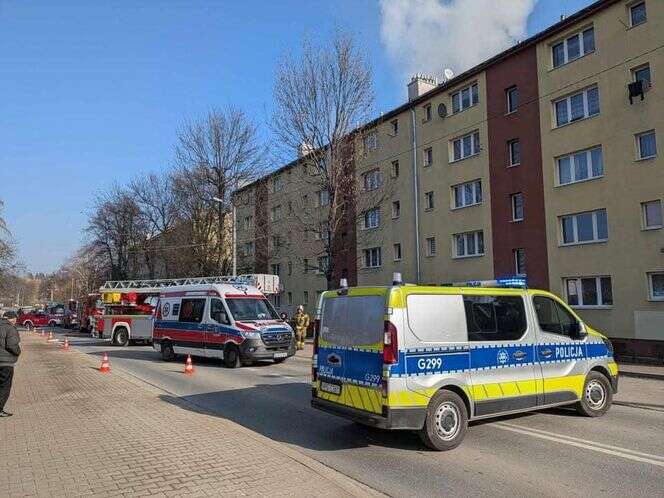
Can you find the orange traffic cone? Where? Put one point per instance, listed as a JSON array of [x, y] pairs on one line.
[[105, 365], [65, 347], [50, 336], [42, 332], [188, 367]]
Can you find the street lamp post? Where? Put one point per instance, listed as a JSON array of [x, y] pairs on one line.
[[234, 239]]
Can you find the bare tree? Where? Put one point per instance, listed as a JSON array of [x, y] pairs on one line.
[[224, 149], [7, 248], [320, 98]]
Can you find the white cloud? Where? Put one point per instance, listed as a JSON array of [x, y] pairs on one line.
[[427, 36]]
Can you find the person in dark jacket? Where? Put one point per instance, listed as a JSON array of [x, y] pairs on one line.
[[9, 353]]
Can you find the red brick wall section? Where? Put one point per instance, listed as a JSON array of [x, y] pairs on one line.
[[524, 124], [261, 234]]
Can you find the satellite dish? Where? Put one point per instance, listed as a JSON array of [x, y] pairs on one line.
[[442, 110], [449, 74]]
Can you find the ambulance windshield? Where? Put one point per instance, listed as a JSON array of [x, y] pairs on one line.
[[248, 309]]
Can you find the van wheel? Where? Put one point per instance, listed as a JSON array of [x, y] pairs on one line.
[[597, 396], [231, 357], [121, 337], [446, 422], [167, 352]]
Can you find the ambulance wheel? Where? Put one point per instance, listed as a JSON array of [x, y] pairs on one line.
[[121, 337], [597, 396], [167, 352], [231, 357], [446, 422]]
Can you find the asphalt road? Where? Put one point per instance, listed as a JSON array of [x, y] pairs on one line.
[[549, 453]]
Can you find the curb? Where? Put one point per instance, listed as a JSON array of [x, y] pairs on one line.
[[641, 375], [349, 484]]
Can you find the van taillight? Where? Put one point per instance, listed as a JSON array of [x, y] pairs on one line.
[[314, 359], [316, 332], [390, 344]]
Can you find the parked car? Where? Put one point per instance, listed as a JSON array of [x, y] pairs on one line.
[[34, 319]]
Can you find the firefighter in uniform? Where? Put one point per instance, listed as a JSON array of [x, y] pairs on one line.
[[301, 320]]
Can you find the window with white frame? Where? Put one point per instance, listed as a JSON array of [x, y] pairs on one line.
[[428, 156], [395, 169], [514, 149], [637, 13], [646, 144], [589, 291], [428, 200], [372, 179], [372, 218], [396, 209], [465, 98], [575, 107], [652, 214], [427, 113], [520, 261], [517, 206], [276, 242], [290, 268], [248, 248], [276, 269], [305, 297], [642, 73], [466, 146], [584, 228], [370, 141], [656, 286], [580, 166], [394, 127], [396, 250], [469, 244], [573, 47], [275, 213], [277, 184], [467, 194], [431, 246], [248, 222], [323, 198], [372, 257], [512, 94]]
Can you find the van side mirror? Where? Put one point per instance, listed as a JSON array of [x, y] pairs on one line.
[[577, 331]]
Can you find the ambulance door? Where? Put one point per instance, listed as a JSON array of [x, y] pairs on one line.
[[216, 328], [561, 350], [503, 366], [191, 329]]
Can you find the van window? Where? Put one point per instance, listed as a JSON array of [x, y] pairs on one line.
[[249, 309], [218, 312], [437, 318], [191, 310], [353, 320], [495, 318], [552, 316]]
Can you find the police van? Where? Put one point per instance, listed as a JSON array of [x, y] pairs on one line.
[[430, 359], [229, 320]]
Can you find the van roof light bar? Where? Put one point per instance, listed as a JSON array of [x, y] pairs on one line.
[[515, 282]]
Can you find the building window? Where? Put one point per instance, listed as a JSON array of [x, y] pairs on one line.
[[370, 142], [637, 13], [394, 125], [469, 244], [466, 146], [290, 268], [395, 169], [584, 228], [588, 291], [249, 249], [323, 198], [290, 298], [372, 218], [580, 166], [396, 209], [323, 264], [275, 213], [276, 269], [573, 47], [520, 261], [428, 201], [465, 98], [427, 113], [428, 157], [512, 99], [372, 257], [514, 147], [277, 300], [397, 251], [248, 221], [276, 242], [517, 206], [642, 73], [305, 265], [578, 106], [656, 286], [431, 246], [305, 297], [372, 179], [647, 145], [652, 214], [467, 194]]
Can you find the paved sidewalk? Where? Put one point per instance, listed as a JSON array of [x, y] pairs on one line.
[[78, 432], [643, 371]]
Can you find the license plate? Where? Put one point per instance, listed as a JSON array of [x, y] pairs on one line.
[[280, 355], [330, 388]]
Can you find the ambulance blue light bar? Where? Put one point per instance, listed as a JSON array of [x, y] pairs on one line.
[[508, 283]]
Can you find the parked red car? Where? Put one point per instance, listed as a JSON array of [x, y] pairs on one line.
[[34, 319]]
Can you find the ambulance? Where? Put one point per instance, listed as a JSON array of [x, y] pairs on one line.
[[230, 319], [432, 358]]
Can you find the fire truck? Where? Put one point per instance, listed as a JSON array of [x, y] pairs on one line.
[[89, 308], [129, 305]]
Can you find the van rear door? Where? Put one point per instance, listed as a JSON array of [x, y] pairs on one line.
[[350, 349]]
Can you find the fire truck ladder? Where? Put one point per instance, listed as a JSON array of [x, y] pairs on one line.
[[150, 285]]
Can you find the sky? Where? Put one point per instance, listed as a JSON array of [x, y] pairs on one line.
[[92, 93]]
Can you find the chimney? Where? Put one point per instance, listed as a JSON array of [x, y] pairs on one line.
[[304, 149], [420, 84]]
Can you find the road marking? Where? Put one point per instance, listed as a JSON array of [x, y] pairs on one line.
[[583, 443]]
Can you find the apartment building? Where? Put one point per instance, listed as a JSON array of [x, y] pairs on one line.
[[541, 161]]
